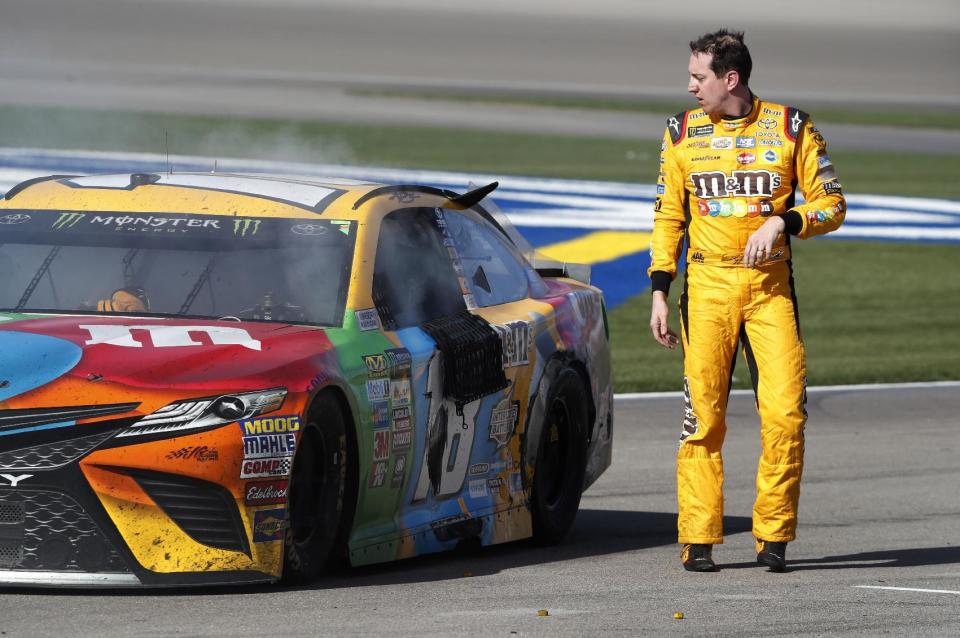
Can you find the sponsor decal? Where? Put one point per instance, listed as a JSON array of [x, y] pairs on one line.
[[244, 227], [265, 468], [367, 319], [714, 184], [402, 440], [405, 197], [264, 446], [378, 474], [515, 483], [820, 216], [674, 124], [770, 156], [269, 525], [767, 123], [769, 111], [819, 141], [823, 161], [13, 480], [703, 130], [376, 365], [400, 391], [265, 493], [479, 468], [478, 489], [731, 126], [401, 419], [308, 229], [399, 467], [661, 189], [745, 157], [795, 122], [503, 421], [705, 158], [721, 143], [775, 134], [381, 445], [657, 204], [496, 485], [271, 425], [378, 389], [197, 453], [67, 220], [16, 218], [167, 336], [735, 208], [698, 144], [381, 413], [517, 339], [827, 173], [746, 142], [765, 142], [317, 381], [470, 302], [697, 257], [831, 188]]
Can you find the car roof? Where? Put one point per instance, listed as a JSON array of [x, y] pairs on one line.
[[227, 194]]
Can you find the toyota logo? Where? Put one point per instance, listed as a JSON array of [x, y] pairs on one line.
[[17, 218], [309, 229]]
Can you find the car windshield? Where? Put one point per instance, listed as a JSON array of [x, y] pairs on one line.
[[176, 265]]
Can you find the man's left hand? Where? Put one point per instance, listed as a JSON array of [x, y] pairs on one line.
[[760, 244]]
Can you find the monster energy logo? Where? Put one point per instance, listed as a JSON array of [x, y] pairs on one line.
[[242, 226], [67, 220]]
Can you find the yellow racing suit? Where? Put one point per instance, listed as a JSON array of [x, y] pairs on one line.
[[720, 179]]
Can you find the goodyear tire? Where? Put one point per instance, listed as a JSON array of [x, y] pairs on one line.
[[317, 492], [561, 459]]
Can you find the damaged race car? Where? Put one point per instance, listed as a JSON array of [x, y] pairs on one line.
[[213, 378]]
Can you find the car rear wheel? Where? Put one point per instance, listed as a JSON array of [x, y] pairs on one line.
[[561, 459], [318, 484]]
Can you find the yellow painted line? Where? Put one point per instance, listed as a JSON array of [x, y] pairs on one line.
[[599, 246]]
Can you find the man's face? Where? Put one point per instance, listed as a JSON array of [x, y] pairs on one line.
[[711, 91]]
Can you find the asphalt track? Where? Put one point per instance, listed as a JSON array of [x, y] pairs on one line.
[[879, 515]]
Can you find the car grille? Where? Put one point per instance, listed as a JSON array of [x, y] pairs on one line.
[[205, 511], [49, 531], [51, 455]]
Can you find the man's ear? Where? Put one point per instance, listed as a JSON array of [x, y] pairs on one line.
[[733, 80]]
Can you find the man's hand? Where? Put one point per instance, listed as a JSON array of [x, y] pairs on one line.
[[659, 311], [760, 244]]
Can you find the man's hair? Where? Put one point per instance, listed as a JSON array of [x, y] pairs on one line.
[[728, 51]]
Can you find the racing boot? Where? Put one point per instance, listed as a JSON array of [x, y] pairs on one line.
[[698, 558], [773, 555]]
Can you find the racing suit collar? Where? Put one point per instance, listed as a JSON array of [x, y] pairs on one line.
[[743, 119]]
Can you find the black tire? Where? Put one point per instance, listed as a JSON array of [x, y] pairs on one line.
[[561, 459], [317, 492]]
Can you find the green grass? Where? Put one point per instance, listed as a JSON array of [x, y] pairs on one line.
[[426, 148], [869, 312], [874, 116]]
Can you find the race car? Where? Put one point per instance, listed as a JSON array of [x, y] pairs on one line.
[[216, 378]]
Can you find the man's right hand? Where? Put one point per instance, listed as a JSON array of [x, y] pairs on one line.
[[659, 311]]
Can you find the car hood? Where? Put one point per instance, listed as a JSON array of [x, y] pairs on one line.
[[156, 353]]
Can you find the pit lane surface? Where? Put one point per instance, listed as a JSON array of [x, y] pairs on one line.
[[879, 509]]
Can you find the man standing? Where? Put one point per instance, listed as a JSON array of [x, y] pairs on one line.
[[728, 174]]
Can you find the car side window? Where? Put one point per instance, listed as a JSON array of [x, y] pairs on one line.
[[495, 271], [413, 280]]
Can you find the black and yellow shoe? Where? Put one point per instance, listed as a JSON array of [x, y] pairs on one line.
[[698, 558], [773, 555]]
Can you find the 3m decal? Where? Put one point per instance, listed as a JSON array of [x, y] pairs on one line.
[[714, 184], [267, 445], [265, 493], [270, 425], [265, 468], [167, 336], [269, 525], [381, 445]]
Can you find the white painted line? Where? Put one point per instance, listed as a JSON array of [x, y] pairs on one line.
[[925, 591], [627, 396]]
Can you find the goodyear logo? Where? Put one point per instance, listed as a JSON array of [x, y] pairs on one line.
[[244, 227], [270, 425], [67, 220]]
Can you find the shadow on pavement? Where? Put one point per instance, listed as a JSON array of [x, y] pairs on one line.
[[595, 533], [887, 558]]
